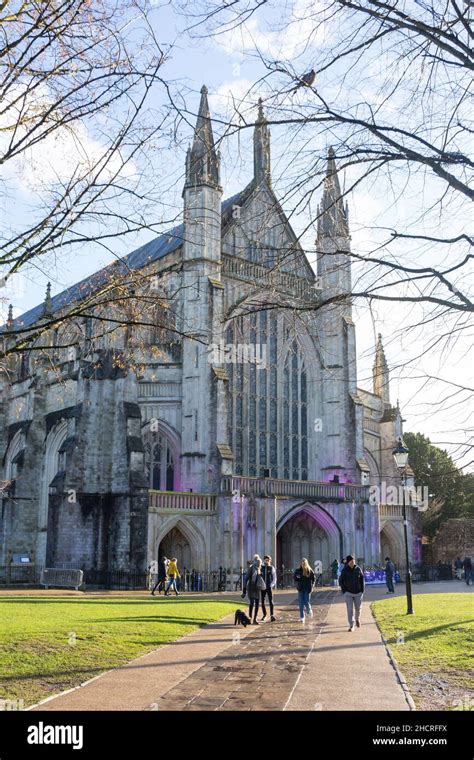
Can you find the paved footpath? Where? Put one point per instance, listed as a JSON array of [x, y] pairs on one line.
[[283, 665]]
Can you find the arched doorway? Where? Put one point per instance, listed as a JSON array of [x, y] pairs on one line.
[[305, 535], [175, 544], [390, 545]]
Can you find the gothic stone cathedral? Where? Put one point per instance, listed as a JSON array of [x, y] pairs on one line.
[[248, 434]]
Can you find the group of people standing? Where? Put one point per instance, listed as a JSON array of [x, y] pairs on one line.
[[258, 584]]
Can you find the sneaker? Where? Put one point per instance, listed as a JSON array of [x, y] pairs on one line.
[[263, 618], [351, 629], [302, 620], [255, 622], [310, 613], [273, 618], [153, 593], [358, 623]]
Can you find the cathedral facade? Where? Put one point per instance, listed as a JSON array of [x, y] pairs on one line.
[[242, 430]]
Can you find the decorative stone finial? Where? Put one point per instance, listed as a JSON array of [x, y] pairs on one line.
[[48, 304]]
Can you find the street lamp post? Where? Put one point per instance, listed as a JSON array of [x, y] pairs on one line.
[[400, 454]]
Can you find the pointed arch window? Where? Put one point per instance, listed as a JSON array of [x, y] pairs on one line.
[[295, 429], [159, 462], [268, 405]]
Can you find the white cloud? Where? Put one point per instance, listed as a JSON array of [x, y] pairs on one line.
[[296, 32], [58, 156]]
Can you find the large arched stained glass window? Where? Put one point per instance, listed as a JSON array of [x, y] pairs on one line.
[[295, 430], [159, 462], [267, 402]]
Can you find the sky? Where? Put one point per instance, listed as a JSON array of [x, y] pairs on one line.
[[228, 66]]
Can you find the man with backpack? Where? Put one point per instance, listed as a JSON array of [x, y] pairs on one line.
[[253, 585], [352, 586]]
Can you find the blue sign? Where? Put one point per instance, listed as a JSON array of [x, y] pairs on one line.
[[378, 576]]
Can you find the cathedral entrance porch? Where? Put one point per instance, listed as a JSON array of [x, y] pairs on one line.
[[308, 531]]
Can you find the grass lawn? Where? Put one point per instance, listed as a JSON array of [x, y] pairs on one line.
[[434, 647], [52, 643]]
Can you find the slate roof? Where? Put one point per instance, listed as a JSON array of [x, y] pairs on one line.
[[153, 251]]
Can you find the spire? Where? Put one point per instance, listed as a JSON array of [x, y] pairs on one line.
[[380, 373], [48, 304], [10, 317], [202, 160], [261, 148], [333, 221]]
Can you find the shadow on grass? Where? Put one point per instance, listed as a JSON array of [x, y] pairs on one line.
[[427, 631], [153, 619]]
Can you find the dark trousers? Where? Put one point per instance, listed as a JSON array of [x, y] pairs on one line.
[[389, 580], [160, 584], [264, 593], [253, 607]]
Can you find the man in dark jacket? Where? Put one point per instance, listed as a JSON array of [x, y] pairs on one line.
[[389, 573], [352, 586], [269, 576], [162, 574]]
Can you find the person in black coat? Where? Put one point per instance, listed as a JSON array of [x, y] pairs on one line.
[[352, 586], [162, 575], [253, 585], [389, 574]]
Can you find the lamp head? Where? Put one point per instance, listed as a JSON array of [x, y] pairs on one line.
[[400, 454]]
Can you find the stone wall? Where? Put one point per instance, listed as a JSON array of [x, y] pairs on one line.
[[454, 539]]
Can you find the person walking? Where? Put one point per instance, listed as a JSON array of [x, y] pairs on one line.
[[162, 575], [253, 585], [458, 568], [269, 576], [467, 565], [173, 575], [352, 586], [334, 572], [389, 573], [304, 581]]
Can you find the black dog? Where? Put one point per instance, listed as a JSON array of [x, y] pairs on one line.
[[241, 618]]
